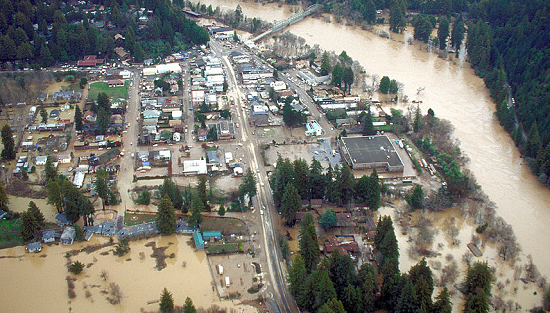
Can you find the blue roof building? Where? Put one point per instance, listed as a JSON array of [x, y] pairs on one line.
[[207, 235], [199, 242]]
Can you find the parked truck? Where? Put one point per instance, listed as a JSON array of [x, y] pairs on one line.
[[227, 282], [220, 269]]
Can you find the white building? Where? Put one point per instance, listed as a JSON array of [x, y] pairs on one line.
[[278, 85], [194, 167]]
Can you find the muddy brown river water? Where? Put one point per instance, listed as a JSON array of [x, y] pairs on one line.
[[455, 93]]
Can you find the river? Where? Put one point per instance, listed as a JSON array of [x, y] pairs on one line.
[[455, 93]]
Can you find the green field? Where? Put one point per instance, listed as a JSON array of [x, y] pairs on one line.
[[224, 248], [113, 92], [9, 233], [131, 219]]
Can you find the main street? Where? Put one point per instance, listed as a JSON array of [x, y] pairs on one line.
[[277, 292]]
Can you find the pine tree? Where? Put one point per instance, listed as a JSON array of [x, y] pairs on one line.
[[8, 152], [309, 246], [443, 302], [49, 170], [352, 299], [443, 32], [290, 204], [332, 306], [221, 210], [101, 186], [368, 284], [166, 303], [55, 196], [78, 118], [166, 218], [29, 226], [188, 307], [407, 302], [341, 271], [374, 188], [4, 200], [324, 289], [196, 212], [35, 212], [297, 276], [533, 143]]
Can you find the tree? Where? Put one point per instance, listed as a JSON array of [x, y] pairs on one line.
[[443, 302], [166, 218], [397, 16], [138, 53], [367, 123], [332, 306], [29, 226], [418, 121], [202, 192], [144, 197], [443, 32], [337, 74], [4, 200], [8, 152], [248, 184], [532, 145], [197, 207], [422, 27], [290, 204], [309, 245], [101, 187], [325, 64], [407, 301], [384, 86], [170, 189], [78, 118], [76, 267], [166, 303], [36, 214], [368, 284], [323, 288], [457, 34], [43, 114], [188, 306], [341, 272], [416, 199], [49, 170], [297, 276], [221, 210], [347, 78], [328, 220], [46, 58]]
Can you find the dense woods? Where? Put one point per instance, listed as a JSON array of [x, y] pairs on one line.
[[43, 33]]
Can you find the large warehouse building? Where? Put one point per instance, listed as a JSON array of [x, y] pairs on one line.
[[369, 152]]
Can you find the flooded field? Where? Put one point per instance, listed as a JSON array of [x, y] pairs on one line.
[[37, 282]]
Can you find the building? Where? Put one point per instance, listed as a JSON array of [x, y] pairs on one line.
[[213, 158], [225, 130], [62, 220], [34, 247], [48, 236], [194, 167], [368, 152], [313, 129], [345, 248], [68, 236], [89, 61], [199, 242], [207, 235]]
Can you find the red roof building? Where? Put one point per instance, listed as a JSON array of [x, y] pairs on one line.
[[89, 61]]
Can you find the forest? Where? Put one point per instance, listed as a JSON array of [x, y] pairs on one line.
[[35, 33]]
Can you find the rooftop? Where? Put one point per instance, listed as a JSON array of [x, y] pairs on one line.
[[371, 149]]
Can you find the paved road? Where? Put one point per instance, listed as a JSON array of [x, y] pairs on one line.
[[281, 300]]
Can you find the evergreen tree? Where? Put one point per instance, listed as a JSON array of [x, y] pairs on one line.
[[8, 152], [221, 210], [533, 143], [341, 271], [418, 123], [170, 189], [4, 200], [352, 299], [166, 218], [367, 123], [325, 64], [346, 184], [384, 85], [248, 184], [301, 175], [166, 303], [328, 220], [78, 118], [29, 226], [421, 277], [457, 34], [323, 289], [407, 302], [139, 55], [337, 75], [374, 188], [202, 192], [316, 180], [332, 306], [368, 284], [196, 218], [443, 302], [347, 78], [416, 198], [37, 215], [101, 187], [49, 170], [309, 245], [188, 306], [297, 276], [290, 204], [443, 32]]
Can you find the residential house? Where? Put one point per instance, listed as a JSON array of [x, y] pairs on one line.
[[207, 235], [48, 236], [89, 116], [40, 160], [213, 158], [68, 236], [34, 247], [202, 134], [199, 242], [345, 248], [89, 61]]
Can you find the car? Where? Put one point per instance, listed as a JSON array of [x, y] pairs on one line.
[[131, 143], [257, 170]]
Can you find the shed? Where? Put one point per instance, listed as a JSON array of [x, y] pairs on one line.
[[199, 242], [207, 235], [34, 247], [48, 236]]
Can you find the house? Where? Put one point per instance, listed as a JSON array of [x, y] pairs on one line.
[[202, 134], [194, 167], [68, 236], [64, 158], [89, 61], [89, 116], [207, 235], [115, 82], [69, 95], [316, 203], [41, 160], [225, 130], [182, 228], [48, 236], [62, 220], [34, 247], [199, 242], [108, 228], [121, 53], [305, 203], [300, 215], [344, 248], [213, 158]]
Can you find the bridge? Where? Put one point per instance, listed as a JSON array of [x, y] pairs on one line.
[[279, 25]]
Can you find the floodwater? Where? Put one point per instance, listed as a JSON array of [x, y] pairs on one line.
[[36, 282], [455, 93]]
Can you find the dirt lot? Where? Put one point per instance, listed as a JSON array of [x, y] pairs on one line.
[[241, 272]]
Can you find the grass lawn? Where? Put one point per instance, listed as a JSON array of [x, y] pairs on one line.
[[113, 92], [9, 233], [223, 248], [131, 219], [226, 226]]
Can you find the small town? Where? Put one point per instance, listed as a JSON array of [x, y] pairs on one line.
[[242, 171]]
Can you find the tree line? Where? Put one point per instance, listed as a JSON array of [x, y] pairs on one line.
[[294, 181]]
